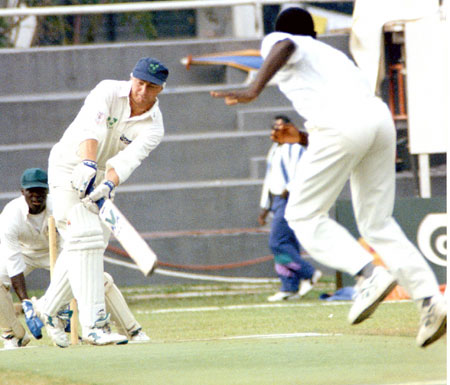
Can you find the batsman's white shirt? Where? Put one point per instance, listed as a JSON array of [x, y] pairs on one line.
[[23, 239], [123, 141]]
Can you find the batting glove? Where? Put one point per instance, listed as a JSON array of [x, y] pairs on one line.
[[94, 201], [83, 177], [34, 323]]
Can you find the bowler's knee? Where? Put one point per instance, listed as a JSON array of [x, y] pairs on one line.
[[378, 230]]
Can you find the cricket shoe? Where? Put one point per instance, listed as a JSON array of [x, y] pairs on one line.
[[65, 315], [306, 285], [433, 320], [10, 341], [370, 293], [101, 334], [55, 330], [139, 336], [283, 296], [54, 325]]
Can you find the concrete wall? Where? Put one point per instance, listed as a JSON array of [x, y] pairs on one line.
[[205, 175]]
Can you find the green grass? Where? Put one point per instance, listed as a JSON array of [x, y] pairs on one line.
[[197, 340]]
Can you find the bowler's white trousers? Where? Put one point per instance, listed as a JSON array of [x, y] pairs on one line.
[[361, 149]]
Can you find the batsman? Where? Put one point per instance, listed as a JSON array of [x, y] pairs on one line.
[[118, 126]]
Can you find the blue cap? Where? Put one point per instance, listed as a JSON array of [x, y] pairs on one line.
[[151, 70], [34, 177]]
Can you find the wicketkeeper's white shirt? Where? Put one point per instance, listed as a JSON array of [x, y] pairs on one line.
[[23, 238], [322, 83], [123, 141]]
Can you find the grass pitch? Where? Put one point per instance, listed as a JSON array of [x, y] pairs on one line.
[[237, 337]]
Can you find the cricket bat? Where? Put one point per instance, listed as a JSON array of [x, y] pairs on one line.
[[128, 237]]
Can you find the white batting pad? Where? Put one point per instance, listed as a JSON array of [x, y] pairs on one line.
[[59, 292], [85, 247], [117, 306]]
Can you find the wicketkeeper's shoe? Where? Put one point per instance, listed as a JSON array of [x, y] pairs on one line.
[[101, 334], [139, 336], [10, 341], [306, 285], [370, 293], [55, 330], [433, 320], [283, 296]]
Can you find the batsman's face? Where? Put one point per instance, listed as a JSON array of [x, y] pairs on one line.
[[36, 199], [143, 92]]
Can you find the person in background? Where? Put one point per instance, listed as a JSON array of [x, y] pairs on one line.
[[297, 276]]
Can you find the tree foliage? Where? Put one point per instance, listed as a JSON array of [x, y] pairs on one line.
[[80, 29]]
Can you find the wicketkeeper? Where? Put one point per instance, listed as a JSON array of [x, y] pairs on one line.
[[118, 126]]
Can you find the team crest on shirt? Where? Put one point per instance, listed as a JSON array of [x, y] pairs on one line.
[[111, 121], [100, 118]]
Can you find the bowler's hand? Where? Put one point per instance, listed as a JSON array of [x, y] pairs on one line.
[[235, 97], [288, 133]]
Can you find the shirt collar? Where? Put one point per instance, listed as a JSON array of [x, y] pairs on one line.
[[125, 89], [23, 207], [152, 111]]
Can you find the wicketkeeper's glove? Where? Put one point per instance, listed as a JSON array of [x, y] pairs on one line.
[[34, 323]]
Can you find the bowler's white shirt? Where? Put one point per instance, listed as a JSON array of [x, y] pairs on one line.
[[123, 141], [23, 237], [322, 83], [282, 162]]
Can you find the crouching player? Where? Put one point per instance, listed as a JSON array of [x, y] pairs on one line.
[[24, 246]]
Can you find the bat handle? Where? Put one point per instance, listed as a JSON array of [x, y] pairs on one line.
[[101, 201]]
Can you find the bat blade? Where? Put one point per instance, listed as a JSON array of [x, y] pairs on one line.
[[141, 253]]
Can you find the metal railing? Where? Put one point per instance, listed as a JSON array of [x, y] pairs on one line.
[[88, 9]]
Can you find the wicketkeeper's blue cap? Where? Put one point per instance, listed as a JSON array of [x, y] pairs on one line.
[[34, 177], [151, 70]]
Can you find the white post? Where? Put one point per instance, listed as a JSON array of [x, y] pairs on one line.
[[424, 176], [259, 19], [244, 21]]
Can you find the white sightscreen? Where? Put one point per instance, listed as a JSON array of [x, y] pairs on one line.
[[427, 82]]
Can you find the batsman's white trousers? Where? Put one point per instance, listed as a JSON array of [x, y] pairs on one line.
[[83, 266], [361, 149]]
